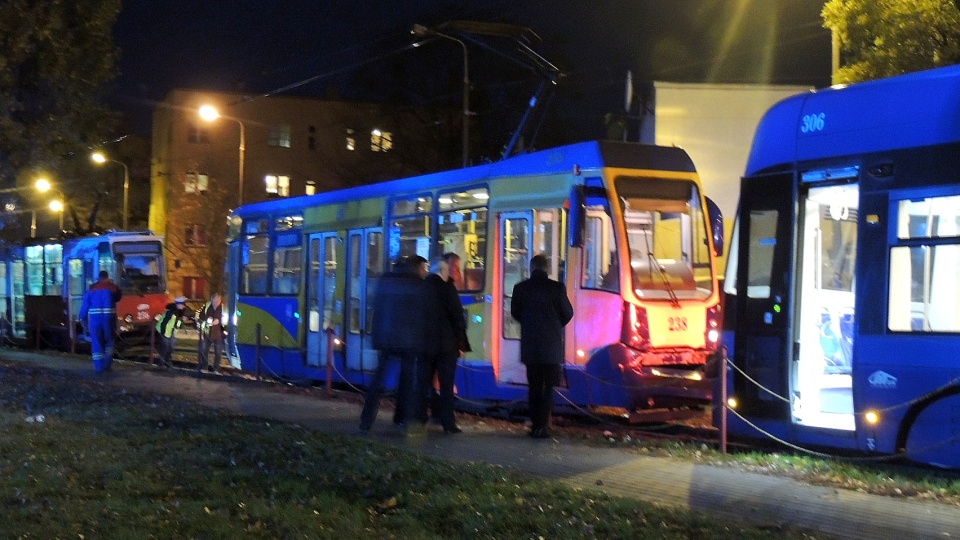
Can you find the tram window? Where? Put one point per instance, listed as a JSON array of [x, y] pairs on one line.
[[255, 251], [410, 231], [330, 279], [763, 241], [932, 217], [923, 291], [33, 260], [462, 228], [287, 264], [53, 280], [600, 260]]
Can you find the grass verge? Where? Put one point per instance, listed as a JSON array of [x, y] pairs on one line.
[[81, 459]]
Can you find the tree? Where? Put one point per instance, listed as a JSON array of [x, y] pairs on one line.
[[883, 38], [56, 58]]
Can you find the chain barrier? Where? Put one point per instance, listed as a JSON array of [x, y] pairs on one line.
[[801, 449]]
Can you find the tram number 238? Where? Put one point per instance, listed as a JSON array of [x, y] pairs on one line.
[[677, 324]]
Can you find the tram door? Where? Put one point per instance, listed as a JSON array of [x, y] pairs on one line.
[[764, 344], [364, 266], [321, 295], [523, 235], [821, 382]]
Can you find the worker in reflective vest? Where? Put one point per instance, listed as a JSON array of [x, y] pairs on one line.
[[99, 311]]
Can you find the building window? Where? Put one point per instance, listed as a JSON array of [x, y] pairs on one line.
[[381, 141], [279, 136], [351, 141], [194, 235], [195, 287], [277, 185], [196, 182], [311, 188], [197, 133]]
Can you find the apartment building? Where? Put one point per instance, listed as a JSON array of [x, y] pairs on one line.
[[267, 147]]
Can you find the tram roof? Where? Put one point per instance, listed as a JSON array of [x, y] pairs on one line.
[[563, 159], [908, 111]]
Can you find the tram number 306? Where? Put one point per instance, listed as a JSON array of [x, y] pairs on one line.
[[677, 324]]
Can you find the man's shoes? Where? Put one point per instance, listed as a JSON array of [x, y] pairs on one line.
[[540, 433], [452, 430]]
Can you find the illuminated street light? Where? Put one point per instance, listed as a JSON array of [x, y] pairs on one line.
[[420, 31], [210, 114], [43, 185], [101, 159]]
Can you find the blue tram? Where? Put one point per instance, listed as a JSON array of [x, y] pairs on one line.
[[843, 279], [626, 227]]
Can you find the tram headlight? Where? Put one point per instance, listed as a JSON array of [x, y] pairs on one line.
[[872, 417], [732, 402], [128, 318], [713, 336]]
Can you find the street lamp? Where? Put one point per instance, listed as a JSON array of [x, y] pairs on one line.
[[101, 159], [57, 205], [210, 113], [420, 31]]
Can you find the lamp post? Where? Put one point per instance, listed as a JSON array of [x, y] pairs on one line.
[[100, 158], [210, 113], [421, 31]]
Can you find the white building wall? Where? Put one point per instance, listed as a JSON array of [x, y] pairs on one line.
[[714, 123]]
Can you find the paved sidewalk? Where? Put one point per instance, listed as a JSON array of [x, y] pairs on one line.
[[763, 500]]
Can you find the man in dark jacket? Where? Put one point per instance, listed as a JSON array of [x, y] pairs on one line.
[[398, 327], [444, 328], [210, 323], [99, 311], [541, 306]]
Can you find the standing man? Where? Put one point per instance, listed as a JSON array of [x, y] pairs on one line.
[[444, 328], [398, 333], [541, 306], [167, 326], [211, 333], [99, 310]]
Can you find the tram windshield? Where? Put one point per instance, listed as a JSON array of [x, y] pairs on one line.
[[667, 236], [141, 270]]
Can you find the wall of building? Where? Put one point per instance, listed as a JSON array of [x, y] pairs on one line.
[[326, 144]]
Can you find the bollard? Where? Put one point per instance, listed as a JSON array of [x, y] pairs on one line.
[[153, 345], [259, 358], [723, 401], [330, 362]]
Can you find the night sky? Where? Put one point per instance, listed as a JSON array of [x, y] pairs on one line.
[[359, 49]]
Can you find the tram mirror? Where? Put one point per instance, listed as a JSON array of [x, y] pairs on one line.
[[716, 225], [576, 216]]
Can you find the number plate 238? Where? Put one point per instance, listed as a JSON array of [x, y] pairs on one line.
[[677, 324]]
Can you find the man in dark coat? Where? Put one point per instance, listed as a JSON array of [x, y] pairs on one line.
[[444, 328], [398, 328], [210, 322], [541, 306]]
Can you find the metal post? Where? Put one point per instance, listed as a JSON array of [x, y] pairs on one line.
[[243, 149], [723, 401], [126, 197], [329, 384], [259, 357]]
